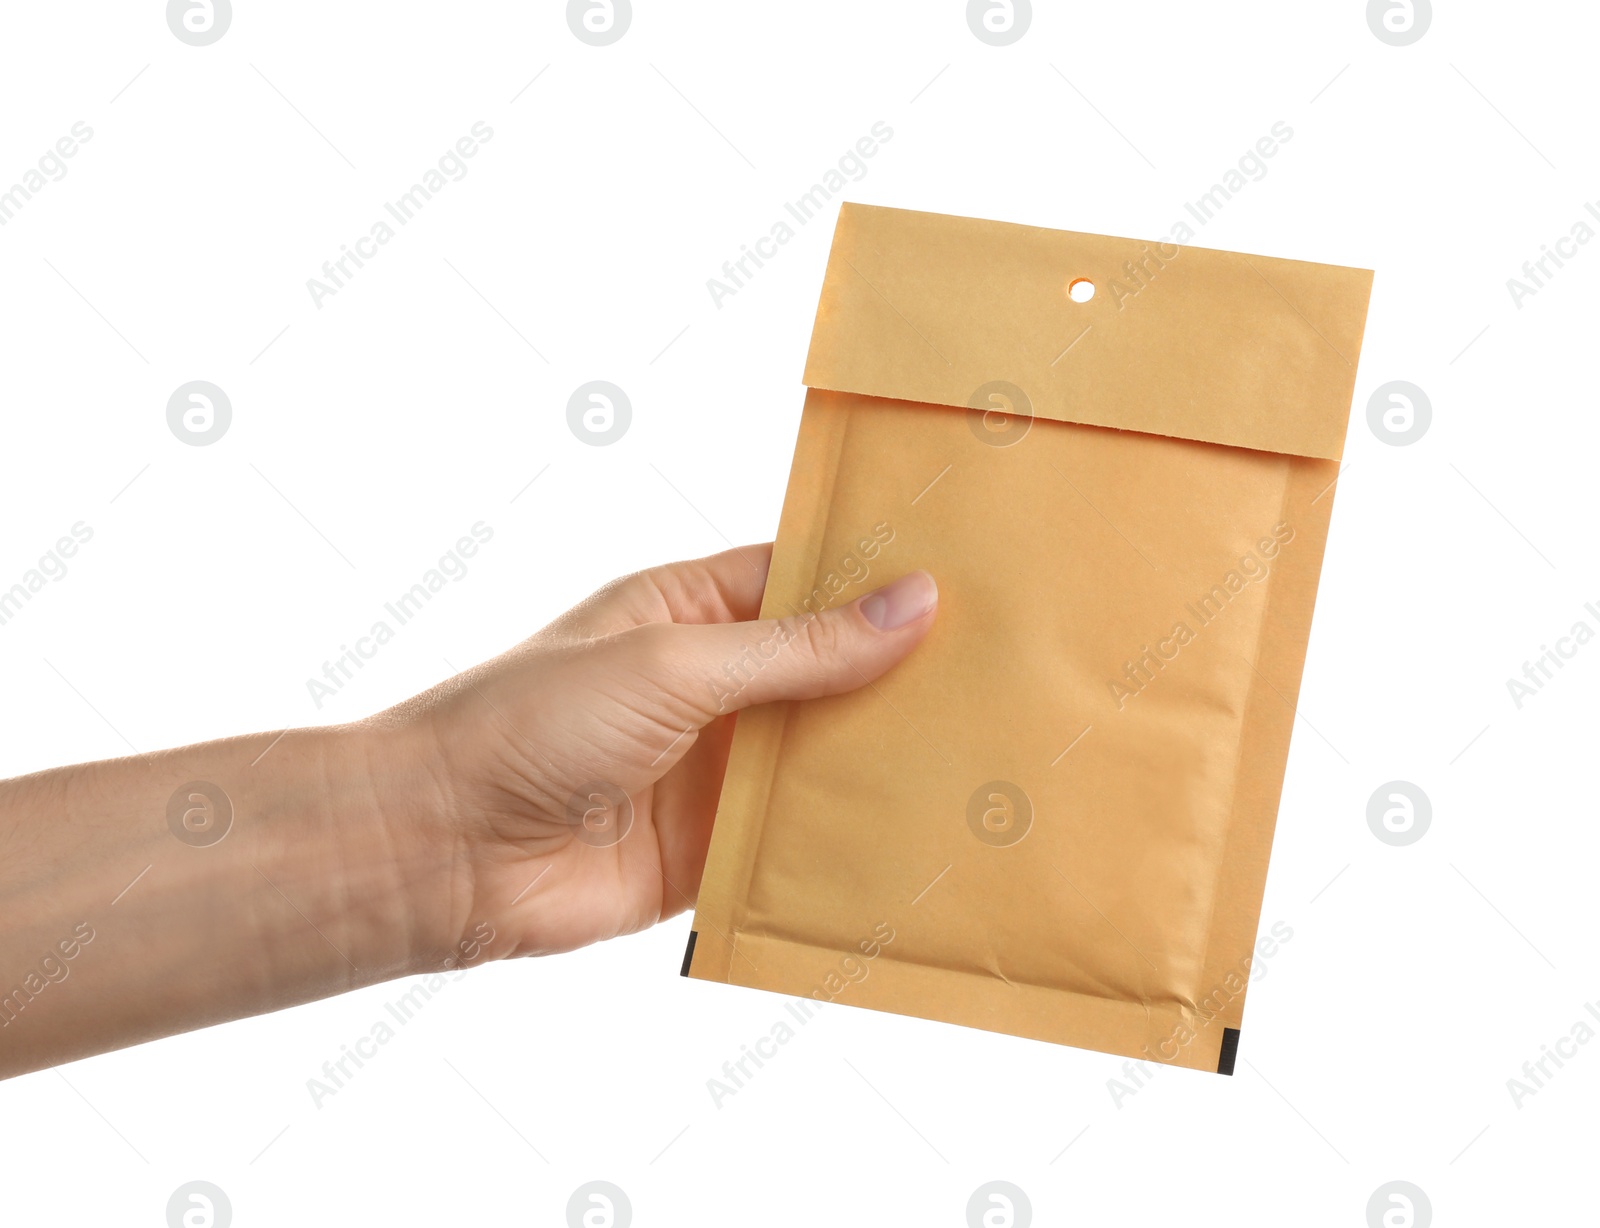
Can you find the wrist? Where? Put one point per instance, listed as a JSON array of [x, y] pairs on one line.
[[403, 881]]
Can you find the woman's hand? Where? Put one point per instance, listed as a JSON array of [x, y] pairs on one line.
[[573, 780]]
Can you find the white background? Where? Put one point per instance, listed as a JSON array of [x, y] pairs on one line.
[[375, 430]]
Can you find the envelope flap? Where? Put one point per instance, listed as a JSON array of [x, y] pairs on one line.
[[1248, 351]]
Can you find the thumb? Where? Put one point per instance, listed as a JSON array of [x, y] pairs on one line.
[[722, 667]]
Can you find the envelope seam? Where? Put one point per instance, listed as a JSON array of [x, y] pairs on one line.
[[1251, 695]]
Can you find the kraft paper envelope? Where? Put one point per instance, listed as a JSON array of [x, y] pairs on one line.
[[1053, 819]]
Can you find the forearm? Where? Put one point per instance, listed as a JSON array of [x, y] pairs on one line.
[[119, 924]]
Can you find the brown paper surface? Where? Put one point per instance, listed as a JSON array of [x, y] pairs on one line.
[[1054, 818]]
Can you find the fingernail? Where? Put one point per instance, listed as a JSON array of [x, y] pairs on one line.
[[906, 600]]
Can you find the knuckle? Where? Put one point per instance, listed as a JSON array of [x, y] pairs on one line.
[[823, 637], [628, 589]]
